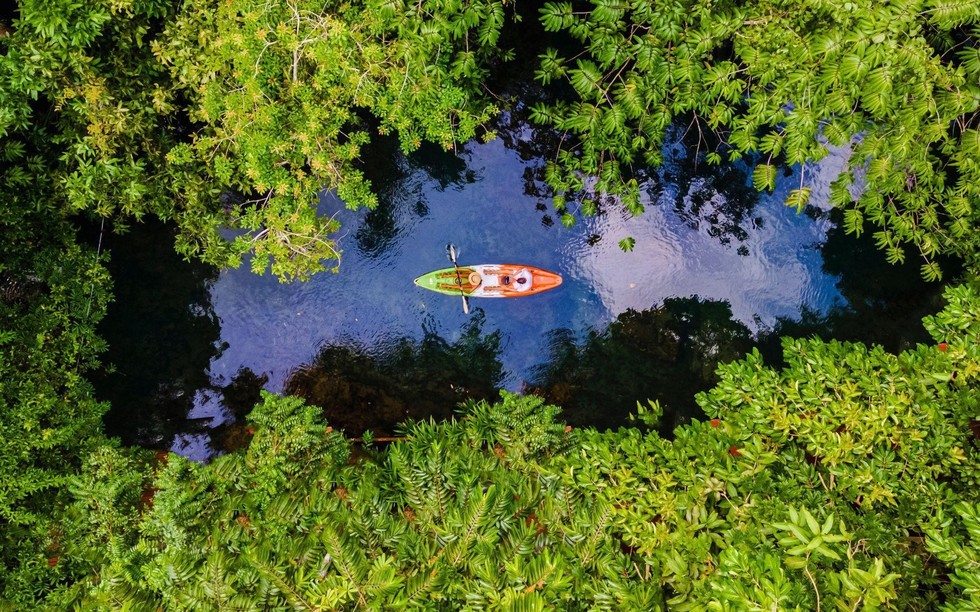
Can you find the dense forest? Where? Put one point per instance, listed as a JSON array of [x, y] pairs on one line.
[[844, 478]]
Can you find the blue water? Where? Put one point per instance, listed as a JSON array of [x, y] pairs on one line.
[[770, 267]]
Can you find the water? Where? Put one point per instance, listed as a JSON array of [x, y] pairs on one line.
[[275, 327], [710, 254]]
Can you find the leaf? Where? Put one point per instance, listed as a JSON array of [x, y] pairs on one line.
[[556, 16], [771, 143], [895, 255], [764, 177], [626, 244], [853, 68], [811, 522], [552, 67], [798, 199], [949, 14], [828, 525], [932, 272], [587, 80], [853, 221]]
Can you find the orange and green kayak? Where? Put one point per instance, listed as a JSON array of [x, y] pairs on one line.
[[489, 280]]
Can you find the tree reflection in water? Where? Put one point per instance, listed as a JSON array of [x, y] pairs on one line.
[[668, 353], [716, 200], [390, 173], [377, 389], [238, 397], [162, 335], [884, 303]]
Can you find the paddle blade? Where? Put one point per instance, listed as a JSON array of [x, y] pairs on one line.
[[466, 305], [452, 252]]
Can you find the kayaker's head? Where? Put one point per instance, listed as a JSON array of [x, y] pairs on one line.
[[504, 280]]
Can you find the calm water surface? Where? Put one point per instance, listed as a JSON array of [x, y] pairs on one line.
[[705, 233]]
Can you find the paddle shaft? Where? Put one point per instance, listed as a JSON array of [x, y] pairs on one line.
[[459, 279]]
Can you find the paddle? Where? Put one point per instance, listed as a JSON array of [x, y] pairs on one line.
[[459, 281]]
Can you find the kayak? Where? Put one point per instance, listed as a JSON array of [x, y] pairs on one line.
[[489, 280]]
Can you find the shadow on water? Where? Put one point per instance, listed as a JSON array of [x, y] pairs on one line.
[[238, 397], [371, 388], [667, 353], [717, 200], [884, 303], [390, 171], [162, 335]]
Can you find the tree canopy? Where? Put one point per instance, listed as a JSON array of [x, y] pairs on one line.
[[230, 119], [286, 94], [897, 82], [847, 478], [233, 117]]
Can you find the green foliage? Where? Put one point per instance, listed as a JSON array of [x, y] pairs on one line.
[[524, 428], [233, 116], [811, 485], [459, 515], [51, 299], [781, 81], [85, 108], [53, 292], [98, 530], [845, 480], [955, 540], [281, 91]]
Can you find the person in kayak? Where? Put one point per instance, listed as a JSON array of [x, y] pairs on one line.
[[520, 282]]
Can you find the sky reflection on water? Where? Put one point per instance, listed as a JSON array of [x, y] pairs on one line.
[[482, 206]]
